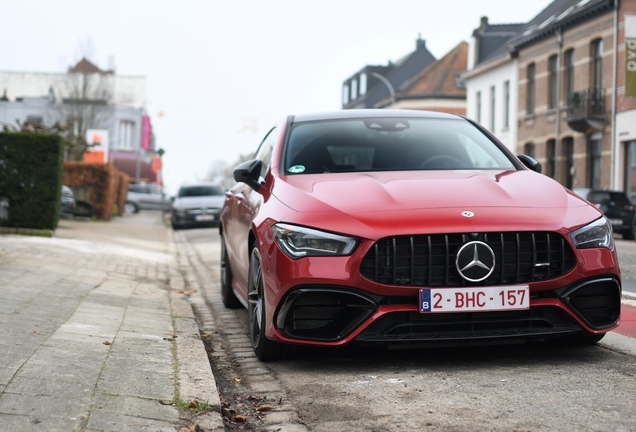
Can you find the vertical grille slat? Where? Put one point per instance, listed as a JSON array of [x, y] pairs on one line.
[[447, 257], [395, 261], [429, 260], [412, 275], [518, 278], [534, 257]]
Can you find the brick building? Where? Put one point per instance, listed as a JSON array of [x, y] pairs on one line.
[[565, 57], [625, 131]]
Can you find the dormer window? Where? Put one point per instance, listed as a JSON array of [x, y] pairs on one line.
[[345, 94], [354, 89]]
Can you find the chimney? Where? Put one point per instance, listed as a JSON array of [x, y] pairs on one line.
[[420, 43]]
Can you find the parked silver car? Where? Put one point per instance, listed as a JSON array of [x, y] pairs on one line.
[[146, 196], [196, 205]]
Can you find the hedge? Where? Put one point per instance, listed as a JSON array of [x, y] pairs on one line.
[[122, 192], [31, 179], [101, 180]]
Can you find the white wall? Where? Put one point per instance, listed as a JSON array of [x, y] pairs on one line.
[[127, 90], [482, 82]]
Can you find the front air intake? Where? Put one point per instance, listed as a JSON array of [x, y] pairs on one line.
[[597, 302], [323, 313]]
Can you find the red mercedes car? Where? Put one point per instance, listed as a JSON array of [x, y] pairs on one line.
[[393, 227]]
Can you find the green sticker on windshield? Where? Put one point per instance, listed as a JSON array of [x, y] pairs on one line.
[[297, 169]]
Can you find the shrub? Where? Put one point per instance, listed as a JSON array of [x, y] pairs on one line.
[[31, 178], [122, 192], [101, 182]]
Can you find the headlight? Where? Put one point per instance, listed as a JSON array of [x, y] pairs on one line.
[[594, 235], [298, 242]]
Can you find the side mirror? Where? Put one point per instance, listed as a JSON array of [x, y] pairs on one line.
[[530, 162], [249, 172]]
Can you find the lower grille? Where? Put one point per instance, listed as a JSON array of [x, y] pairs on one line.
[[414, 326], [597, 302], [429, 260], [323, 313]]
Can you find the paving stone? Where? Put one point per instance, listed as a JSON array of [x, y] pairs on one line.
[[108, 421], [135, 407]]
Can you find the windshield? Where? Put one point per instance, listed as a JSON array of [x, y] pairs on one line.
[[390, 144], [196, 191]]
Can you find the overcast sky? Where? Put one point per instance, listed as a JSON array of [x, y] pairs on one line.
[[220, 73]]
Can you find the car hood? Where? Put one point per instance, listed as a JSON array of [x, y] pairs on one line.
[[433, 201], [199, 201]]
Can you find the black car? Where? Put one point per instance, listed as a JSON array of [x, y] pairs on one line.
[[617, 208]]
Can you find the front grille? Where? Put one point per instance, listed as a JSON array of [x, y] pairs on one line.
[[413, 326], [429, 260]]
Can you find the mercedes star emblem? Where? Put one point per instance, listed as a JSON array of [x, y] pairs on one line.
[[475, 261]]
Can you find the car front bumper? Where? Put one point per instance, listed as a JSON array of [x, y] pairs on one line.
[[326, 301]]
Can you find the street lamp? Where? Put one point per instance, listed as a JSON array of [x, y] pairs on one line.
[[388, 84]]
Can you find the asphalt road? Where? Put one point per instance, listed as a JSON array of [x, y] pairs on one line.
[[533, 386]]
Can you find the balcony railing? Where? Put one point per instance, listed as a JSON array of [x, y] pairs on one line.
[[586, 110]]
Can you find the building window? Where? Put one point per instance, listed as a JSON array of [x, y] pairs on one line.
[[345, 94], [126, 134], [492, 109], [506, 104], [354, 89], [35, 120], [569, 71], [478, 107], [597, 61], [529, 149], [550, 148], [363, 84], [553, 99], [530, 89], [596, 146]]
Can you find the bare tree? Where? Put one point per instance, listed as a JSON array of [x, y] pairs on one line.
[[86, 96]]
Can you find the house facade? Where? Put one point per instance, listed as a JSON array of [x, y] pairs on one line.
[[625, 130], [417, 82], [371, 86], [565, 58], [118, 106], [492, 80]]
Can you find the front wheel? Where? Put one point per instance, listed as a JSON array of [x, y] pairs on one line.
[[130, 208], [264, 348]]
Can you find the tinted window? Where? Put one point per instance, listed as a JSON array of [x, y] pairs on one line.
[[195, 191], [390, 144]]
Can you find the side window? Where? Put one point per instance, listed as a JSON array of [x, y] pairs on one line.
[[264, 152]]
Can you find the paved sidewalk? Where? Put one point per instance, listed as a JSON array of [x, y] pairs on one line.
[[97, 333]]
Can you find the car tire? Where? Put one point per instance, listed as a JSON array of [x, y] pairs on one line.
[[630, 234], [230, 300], [264, 348], [174, 225], [130, 208]]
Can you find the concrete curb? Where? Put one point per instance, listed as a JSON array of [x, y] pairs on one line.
[[196, 380]]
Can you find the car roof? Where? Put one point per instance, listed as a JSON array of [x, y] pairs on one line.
[[372, 113]]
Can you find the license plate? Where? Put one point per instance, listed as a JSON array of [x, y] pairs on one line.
[[204, 218], [616, 221], [435, 300]]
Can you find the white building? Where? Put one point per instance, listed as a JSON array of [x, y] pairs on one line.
[[492, 81], [43, 97]]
